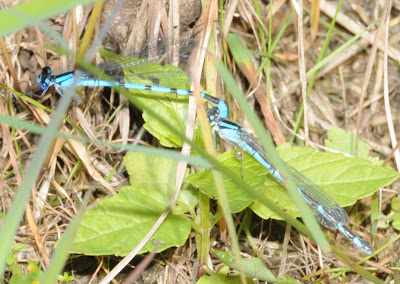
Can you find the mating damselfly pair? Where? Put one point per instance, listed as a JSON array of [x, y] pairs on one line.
[[328, 213]]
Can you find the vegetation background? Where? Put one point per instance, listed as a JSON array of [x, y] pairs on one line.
[[322, 74]]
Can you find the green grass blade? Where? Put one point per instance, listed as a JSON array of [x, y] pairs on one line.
[[32, 12]]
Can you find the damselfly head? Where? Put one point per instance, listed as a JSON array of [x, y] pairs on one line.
[[213, 115], [43, 78]]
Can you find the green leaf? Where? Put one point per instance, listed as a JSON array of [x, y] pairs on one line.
[[65, 277], [32, 12], [344, 179], [187, 199], [143, 176], [393, 216], [19, 247], [253, 173], [344, 141], [34, 274], [175, 113], [396, 221], [254, 268], [17, 276], [119, 223], [10, 258], [223, 279], [172, 107]]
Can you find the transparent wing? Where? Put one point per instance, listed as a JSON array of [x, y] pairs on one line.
[[155, 49], [62, 92]]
